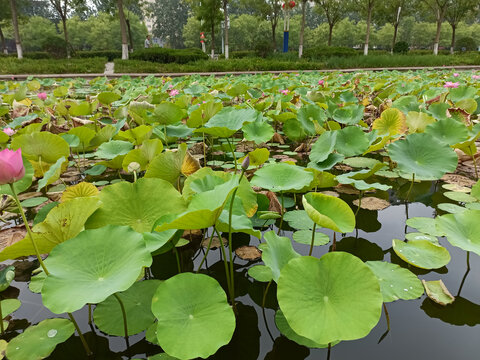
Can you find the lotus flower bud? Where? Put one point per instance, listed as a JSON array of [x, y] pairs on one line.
[[246, 163]]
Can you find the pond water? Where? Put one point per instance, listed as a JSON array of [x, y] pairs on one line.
[[420, 329]]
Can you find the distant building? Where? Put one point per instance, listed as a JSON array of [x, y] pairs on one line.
[[150, 22]]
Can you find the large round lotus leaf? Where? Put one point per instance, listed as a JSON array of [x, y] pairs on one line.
[[138, 205], [287, 331], [336, 297], [461, 93], [425, 225], [298, 219], [421, 236], [360, 162], [37, 342], [329, 211], [113, 148], [421, 253], [277, 251], [9, 306], [47, 146], [462, 229], [228, 121], [391, 122], [459, 196], [7, 275], [395, 281], [448, 131], [305, 237], [351, 141], [406, 103], [261, 273], [323, 146], [137, 301], [194, 318], [293, 129], [309, 114], [418, 121], [349, 115], [282, 177], [258, 131], [424, 156], [108, 97], [92, 266], [168, 113]]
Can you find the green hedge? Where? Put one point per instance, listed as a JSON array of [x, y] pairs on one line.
[[109, 54], [11, 65], [323, 52], [166, 56]]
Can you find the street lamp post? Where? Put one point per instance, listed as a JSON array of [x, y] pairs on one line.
[[287, 7]]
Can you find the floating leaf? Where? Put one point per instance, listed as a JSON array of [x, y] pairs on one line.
[[421, 236], [438, 292], [351, 141], [282, 177], [462, 229], [261, 273], [459, 196], [305, 237], [425, 225], [92, 266], [421, 253], [349, 115], [372, 203], [194, 307], [298, 219], [395, 281], [320, 297]]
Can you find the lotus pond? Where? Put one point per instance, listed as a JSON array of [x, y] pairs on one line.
[[298, 216]]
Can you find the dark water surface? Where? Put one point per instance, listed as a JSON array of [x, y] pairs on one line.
[[420, 329]]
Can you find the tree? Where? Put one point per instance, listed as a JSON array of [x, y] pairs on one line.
[[366, 6], [226, 25], [458, 11], [62, 8], [18, 42], [392, 11], [302, 29], [123, 30], [335, 10], [209, 12], [266, 9], [170, 18], [439, 9]]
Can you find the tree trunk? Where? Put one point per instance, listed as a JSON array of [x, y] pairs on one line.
[[437, 35], [16, 33], [123, 30], [452, 45], [65, 34], [212, 48], [330, 32], [302, 29], [225, 13], [4, 44], [395, 31], [274, 39], [130, 35], [367, 37]]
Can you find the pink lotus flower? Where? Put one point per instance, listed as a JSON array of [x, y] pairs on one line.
[[456, 74], [284, 92], [170, 86], [476, 77], [42, 96], [11, 166], [321, 82], [9, 131], [450, 84], [174, 92]]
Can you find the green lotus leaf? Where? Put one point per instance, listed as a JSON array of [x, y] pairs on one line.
[[277, 251], [9, 306], [421, 236], [62, 223], [156, 240], [240, 222], [4, 137], [137, 301], [80, 109], [329, 211], [451, 208], [92, 266], [349, 115], [294, 130], [462, 229], [351, 141], [308, 115], [438, 292], [287, 331], [360, 162], [168, 113], [136, 135], [391, 122], [476, 190], [305, 237], [108, 97], [261, 273], [112, 149], [144, 155], [85, 135], [298, 219], [258, 156], [228, 121], [424, 156], [448, 131], [469, 105], [425, 225], [459, 196], [38, 341], [473, 206], [439, 110], [204, 113], [461, 93], [320, 297], [257, 131], [395, 281], [418, 121], [282, 177], [194, 307], [138, 205], [203, 210], [6, 277], [52, 174], [356, 178], [421, 253], [406, 104], [41, 146]]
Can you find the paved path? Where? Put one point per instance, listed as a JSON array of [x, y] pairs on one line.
[[109, 69], [226, 73]]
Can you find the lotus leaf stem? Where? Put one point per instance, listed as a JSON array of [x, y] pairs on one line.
[[329, 350], [264, 299], [410, 188], [281, 215], [360, 195], [1, 320], [233, 154], [80, 334], [387, 316], [334, 243], [465, 275], [124, 314], [475, 165], [208, 249], [89, 314], [313, 239], [179, 266], [227, 272]]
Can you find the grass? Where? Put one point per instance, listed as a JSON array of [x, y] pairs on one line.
[[10, 65], [270, 64]]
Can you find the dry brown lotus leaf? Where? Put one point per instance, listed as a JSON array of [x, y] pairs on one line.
[[466, 118], [330, 193], [372, 203], [197, 148], [245, 146], [456, 188], [277, 138], [462, 156], [438, 292], [274, 203], [192, 235], [11, 235], [346, 189], [215, 242], [343, 167], [29, 195], [302, 148], [249, 253], [458, 180]]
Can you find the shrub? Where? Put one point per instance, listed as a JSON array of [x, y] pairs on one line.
[[56, 47], [263, 48], [165, 56], [401, 47], [109, 54], [322, 52], [466, 44]]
